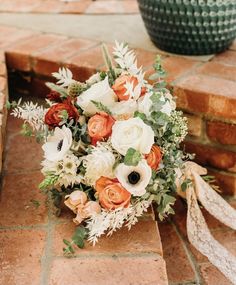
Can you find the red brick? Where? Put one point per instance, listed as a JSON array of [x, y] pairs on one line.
[[48, 61], [227, 57], [122, 241], [9, 35], [212, 156], [18, 56], [145, 58], [3, 70], [130, 7], [177, 66], [38, 88], [179, 269], [16, 202], [194, 125], [218, 69], [3, 83], [212, 276], [226, 181], [80, 73], [107, 270], [48, 6], [102, 7], [208, 95], [20, 256], [22, 6], [23, 154], [221, 132], [75, 8]]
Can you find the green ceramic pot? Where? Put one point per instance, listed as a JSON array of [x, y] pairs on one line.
[[192, 27]]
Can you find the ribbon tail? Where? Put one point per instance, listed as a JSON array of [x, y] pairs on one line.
[[201, 238], [214, 203]]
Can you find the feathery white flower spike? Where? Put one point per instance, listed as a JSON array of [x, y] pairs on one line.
[[64, 77], [126, 59]]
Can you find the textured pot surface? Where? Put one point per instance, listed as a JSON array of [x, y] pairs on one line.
[[192, 27]]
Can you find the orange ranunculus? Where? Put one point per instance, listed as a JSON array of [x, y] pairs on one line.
[[154, 157], [100, 127], [119, 86], [54, 115], [112, 194]]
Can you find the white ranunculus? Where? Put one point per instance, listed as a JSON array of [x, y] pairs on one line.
[[132, 133], [100, 92], [144, 104], [58, 144], [98, 163], [134, 178], [124, 109]]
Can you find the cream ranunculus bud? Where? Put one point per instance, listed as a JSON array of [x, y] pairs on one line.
[[86, 211], [132, 133], [99, 92], [134, 178], [75, 199], [124, 110], [58, 144]]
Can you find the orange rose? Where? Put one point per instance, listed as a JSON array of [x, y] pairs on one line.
[[154, 157], [112, 194], [53, 115], [119, 86], [100, 127]]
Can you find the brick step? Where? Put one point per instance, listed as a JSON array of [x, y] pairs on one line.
[[86, 7]]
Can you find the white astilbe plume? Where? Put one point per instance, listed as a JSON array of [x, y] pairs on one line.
[[64, 77], [126, 59], [31, 113], [110, 221]]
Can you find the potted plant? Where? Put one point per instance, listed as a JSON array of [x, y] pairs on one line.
[[192, 27]]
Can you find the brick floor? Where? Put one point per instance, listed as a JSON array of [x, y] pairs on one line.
[[77, 7], [204, 90]]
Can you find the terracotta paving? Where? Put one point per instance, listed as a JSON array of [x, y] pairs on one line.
[[31, 236], [70, 7]]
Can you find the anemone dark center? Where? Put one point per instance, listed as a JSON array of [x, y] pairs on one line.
[[59, 146], [134, 177]]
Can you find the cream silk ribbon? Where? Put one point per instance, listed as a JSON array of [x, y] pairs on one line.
[[198, 233]]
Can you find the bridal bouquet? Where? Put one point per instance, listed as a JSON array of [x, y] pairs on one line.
[[111, 149], [111, 144]]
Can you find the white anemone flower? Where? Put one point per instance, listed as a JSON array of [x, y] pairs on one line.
[[58, 144], [134, 178]]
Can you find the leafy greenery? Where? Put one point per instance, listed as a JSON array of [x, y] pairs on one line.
[[101, 107], [36, 203], [186, 184], [26, 130], [107, 58], [132, 157], [77, 239], [59, 89], [159, 74], [49, 180]]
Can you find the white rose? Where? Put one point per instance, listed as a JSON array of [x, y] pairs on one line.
[[124, 109], [100, 92], [58, 144], [134, 178], [98, 163], [144, 104], [132, 133]]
